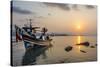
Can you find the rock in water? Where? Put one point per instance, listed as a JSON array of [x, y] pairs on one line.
[[92, 46], [84, 44], [68, 48], [83, 51]]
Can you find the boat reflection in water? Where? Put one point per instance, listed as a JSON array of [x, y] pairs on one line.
[[31, 55]]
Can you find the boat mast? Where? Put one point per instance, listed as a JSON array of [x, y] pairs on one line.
[[30, 20]]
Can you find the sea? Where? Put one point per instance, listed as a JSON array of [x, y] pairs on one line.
[[56, 53]]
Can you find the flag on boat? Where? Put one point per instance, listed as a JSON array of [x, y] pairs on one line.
[[18, 33]]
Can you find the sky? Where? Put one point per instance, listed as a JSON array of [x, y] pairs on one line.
[[56, 17]]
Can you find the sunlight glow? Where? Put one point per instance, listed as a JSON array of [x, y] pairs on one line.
[[78, 27]]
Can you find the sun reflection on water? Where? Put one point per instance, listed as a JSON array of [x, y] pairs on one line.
[[79, 41]]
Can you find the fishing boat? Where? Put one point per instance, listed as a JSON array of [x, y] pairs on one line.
[[29, 37]]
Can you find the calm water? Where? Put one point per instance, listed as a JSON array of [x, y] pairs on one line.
[[56, 53]]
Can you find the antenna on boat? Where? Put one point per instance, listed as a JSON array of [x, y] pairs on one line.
[[30, 20]]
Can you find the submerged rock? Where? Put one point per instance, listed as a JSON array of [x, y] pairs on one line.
[[83, 51], [84, 44], [68, 48], [92, 46]]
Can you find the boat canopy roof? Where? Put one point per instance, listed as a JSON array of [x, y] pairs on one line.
[[31, 28]]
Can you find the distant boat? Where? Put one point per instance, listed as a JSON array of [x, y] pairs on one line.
[[28, 35]]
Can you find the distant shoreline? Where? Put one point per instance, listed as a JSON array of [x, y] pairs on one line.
[[72, 35]]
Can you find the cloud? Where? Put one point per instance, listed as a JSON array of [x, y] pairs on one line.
[[75, 7], [89, 6], [59, 5], [21, 11], [67, 6]]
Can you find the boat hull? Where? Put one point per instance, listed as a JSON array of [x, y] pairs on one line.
[[30, 41]]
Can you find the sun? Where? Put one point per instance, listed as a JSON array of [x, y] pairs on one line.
[[78, 27]]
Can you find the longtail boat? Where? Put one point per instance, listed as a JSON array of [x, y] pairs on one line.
[[27, 35]]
